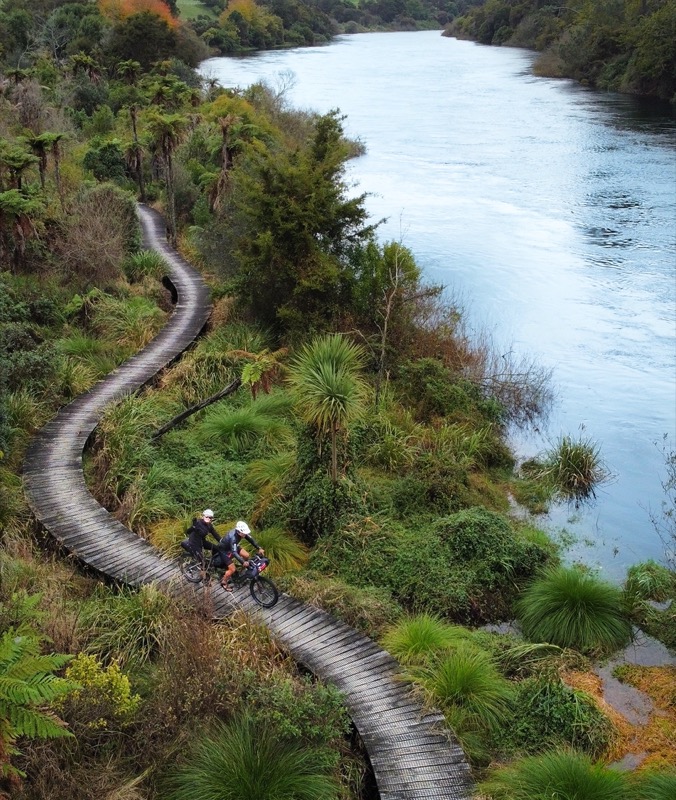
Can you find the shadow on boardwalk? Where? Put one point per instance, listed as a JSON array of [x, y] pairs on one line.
[[413, 758]]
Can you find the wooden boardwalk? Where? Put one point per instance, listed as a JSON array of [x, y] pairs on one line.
[[413, 758]]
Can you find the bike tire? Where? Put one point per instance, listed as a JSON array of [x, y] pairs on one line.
[[264, 592], [192, 571]]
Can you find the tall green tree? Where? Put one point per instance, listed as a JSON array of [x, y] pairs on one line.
[[298, 227]]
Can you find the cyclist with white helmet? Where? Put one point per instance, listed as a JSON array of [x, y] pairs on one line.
[[230, 550]]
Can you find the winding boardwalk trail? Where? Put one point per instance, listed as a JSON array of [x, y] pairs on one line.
[[413, 758]]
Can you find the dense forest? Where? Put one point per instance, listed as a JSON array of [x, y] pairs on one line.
[[366, 446], [620, 45]]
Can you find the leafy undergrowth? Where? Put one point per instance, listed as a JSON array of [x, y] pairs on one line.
[[656, 738]]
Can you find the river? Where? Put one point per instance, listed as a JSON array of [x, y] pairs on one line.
[[550, 209]]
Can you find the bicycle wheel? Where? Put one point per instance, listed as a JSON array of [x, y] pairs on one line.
[[192, 571], [264, 592]]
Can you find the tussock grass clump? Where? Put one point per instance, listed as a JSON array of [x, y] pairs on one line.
[[238, 428], [574, 469], [368, 608], [561, 775], [468, 679], [572, 608], [129, 627], [287, 553], [246, 760], [122, 445], [131, 323], [656, 785], [144, 264], [267, 476], [650, 581], [167, 535], [417, 639]]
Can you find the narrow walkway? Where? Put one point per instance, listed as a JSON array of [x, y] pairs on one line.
[[413, 758]]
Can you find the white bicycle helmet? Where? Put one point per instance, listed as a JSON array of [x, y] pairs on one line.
[[243, 528], [208, 513]]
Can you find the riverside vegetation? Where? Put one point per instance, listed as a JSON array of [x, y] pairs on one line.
[[366, 443], [622, 45], [618, 45]]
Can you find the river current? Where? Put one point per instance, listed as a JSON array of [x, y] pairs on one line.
[[550, 209]]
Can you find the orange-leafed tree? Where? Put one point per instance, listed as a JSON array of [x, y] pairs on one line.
[[121, 9]]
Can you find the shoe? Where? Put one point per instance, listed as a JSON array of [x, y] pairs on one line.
[[226, 586]]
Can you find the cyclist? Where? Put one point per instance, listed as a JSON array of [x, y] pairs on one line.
[[230, 550], [196, 543]]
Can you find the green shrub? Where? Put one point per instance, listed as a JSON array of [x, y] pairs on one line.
[[246, 760], [306, 711], [488, 558], [560, 775], [446, 581], [572, 608], [434, 391], [548, 714], [197, 477], [103, 702], [318, 506]]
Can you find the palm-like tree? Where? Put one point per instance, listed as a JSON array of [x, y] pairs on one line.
[[167, 132], [329, 389], [41, 144], [16, 160], [17, 214], [81, 62], [129, 71]]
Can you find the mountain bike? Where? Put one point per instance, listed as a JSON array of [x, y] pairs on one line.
[[263, 590]]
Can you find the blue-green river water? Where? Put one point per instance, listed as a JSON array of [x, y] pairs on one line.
[[549, 209]]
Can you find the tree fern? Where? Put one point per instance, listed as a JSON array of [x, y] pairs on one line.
[[27, 685]]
